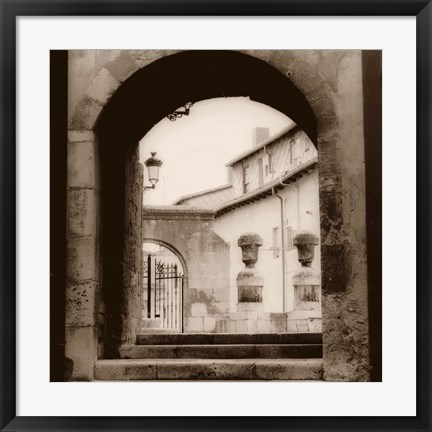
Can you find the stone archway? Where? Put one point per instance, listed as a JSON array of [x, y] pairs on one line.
[[171, 248], [173, 277], [190, 234], [322, 93]]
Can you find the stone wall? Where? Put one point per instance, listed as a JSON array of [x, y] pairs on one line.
[[83, 258], [331, 82], [204, 256], [133, 256], [262, 217]]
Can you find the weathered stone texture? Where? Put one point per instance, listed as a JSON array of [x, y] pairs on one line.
[[123, 66], [80, 136], [204, 256], [81, 307], [249, 280], [82, 210], [345, 315], [83, 67], [346, 344], [86, 114], [223, 339], [82, 160], [83, 257], [209, 324], [194, 324], [102, 87], [209, 369], [145, 57], [306, 242], [198, 309], [248, 293], [278, 322], [124, 370], [332, 83], [132, 254], [81, 352]]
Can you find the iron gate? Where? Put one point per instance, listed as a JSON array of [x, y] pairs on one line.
[[164, 284]]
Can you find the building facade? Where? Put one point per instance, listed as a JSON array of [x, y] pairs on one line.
[[334, 96], [273, 192]]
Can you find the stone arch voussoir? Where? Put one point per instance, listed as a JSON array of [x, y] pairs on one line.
[[172, 248]]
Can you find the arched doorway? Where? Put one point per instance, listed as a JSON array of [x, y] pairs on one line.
[[196, 150], [104, 129], [141, 101], [164, 280]]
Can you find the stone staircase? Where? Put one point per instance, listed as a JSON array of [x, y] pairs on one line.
[[217, 356], [154, 325]]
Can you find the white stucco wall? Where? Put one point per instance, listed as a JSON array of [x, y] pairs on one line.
[[261, 217]]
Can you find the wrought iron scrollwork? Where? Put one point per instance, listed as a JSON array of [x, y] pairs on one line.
[[181, 112]]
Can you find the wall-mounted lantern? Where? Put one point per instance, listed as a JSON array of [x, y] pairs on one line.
[[180, 112], [153, 164]]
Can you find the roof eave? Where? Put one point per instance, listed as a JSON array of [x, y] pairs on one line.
[[260, 146], [267, 190]]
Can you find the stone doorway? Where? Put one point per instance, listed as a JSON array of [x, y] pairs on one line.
[[118, 102], [206, 225], [163, 288]]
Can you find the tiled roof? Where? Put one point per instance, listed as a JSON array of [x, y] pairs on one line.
[[210, 198], [267, 189], [261, 145]]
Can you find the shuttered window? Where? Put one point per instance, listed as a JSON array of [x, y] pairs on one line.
[[246, 178], [260, 172]]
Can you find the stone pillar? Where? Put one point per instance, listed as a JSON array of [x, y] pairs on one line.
[[132, 250], [250, 283], [82, 286], [250, 315], [306, 316]]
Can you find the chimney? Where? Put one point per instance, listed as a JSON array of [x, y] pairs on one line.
[[260, 134]]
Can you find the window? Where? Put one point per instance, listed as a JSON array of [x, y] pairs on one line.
[[296, 149], [246, 179], [260, 172], [290, 238], [276, 243], [291, 232], [267, 162], [270, 162], [292, 142], [230, 174]]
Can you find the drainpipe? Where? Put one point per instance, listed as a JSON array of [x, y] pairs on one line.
[[296, 187], [282, 218], [298, 206]]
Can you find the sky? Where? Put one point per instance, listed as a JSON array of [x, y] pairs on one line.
[[195, 148]]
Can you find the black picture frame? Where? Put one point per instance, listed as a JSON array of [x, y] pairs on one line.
[[422, 9]]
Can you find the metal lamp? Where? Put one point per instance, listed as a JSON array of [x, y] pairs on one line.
[[153, 164], [180, 112]]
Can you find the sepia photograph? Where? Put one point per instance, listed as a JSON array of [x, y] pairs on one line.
[[222, 212], [215, 215]]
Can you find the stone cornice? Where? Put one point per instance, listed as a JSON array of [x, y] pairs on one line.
[[177, 212]]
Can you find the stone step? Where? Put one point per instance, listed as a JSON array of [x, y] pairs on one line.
[[157, 338], [207, 369], [151, 323], [216, 351], [155, 331]]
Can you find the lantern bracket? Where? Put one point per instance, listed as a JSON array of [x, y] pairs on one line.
[[180, 112], [152, 163]]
